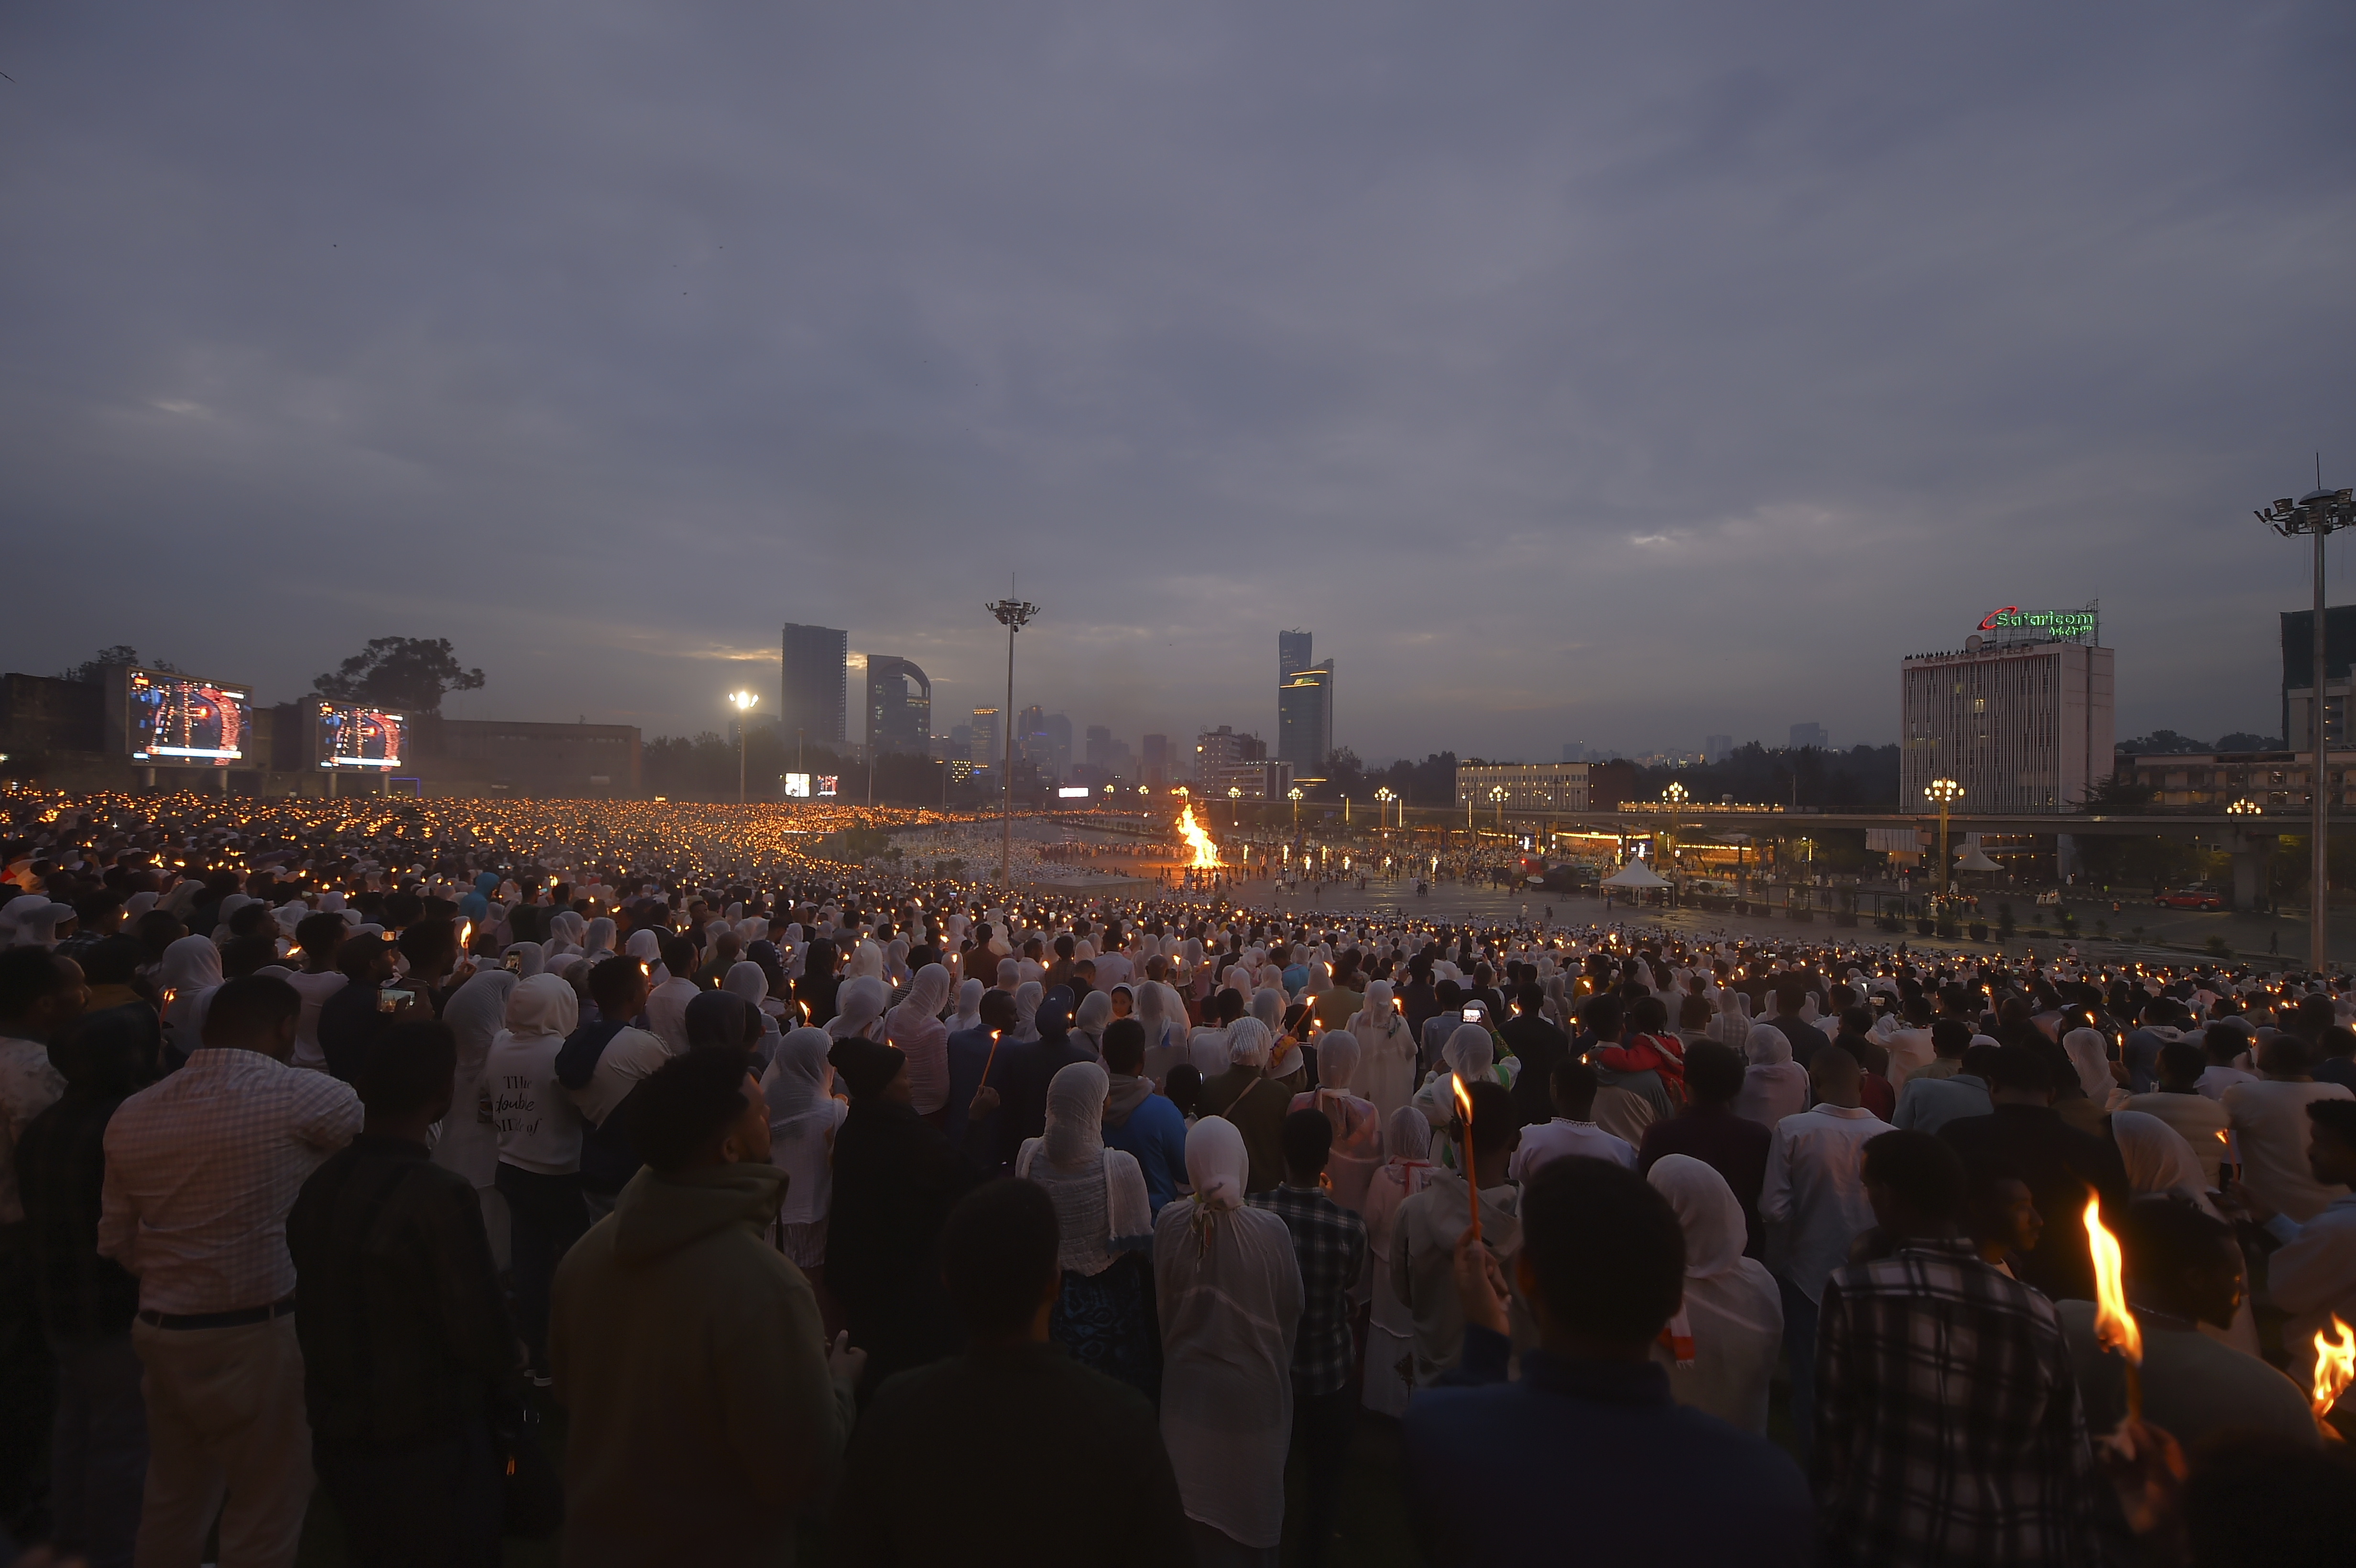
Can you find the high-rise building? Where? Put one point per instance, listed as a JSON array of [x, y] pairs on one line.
[[814, 685], [987, 751], [1059, 737], [1099, 744], [1291, 654], [2298, 674], [1304, 707], [960, 748], [1714, 748], [1223, 757], [899, 707], [2023, 725], [1806, 735], [1032, 741], [1154, 765]]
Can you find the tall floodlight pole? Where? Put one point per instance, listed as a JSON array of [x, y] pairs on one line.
[[1013, 614], [743, 702], [2318, 512]]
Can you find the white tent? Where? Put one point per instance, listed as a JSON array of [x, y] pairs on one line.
[[1971, 859], [1634, 874]]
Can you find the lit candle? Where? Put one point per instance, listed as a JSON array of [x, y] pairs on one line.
[[2114, 1326], [988, 1059], [1472, 1177]]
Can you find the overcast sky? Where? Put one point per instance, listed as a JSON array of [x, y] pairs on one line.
[[1618, 374]]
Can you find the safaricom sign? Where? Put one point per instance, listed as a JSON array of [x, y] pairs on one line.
[[2054, 623]]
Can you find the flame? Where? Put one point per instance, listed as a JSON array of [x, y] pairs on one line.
[[2114, 1326], [1464, 1102], [1206, 854], [465, 932], [2335, 1366]]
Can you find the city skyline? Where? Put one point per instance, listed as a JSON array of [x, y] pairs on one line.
[[848, 320]]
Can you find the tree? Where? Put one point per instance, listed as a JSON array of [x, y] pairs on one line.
[[2243, 740], [95, 667], [407, 674]]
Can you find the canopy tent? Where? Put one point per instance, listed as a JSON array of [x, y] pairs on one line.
[[1971, 859], [1634, 874]]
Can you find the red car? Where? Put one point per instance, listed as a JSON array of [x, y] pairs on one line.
[[2196, 895]]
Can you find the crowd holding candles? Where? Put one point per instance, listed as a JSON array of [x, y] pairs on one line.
[[690, 1183]]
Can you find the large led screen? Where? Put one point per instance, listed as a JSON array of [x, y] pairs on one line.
[[176, 718], [347, 736]]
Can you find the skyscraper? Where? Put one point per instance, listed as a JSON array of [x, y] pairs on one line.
[[1154, 761], [899, 719], [1304, 707], [813, 687], [987, 752], [1806, 735], [1059, 737], [1717, 748]]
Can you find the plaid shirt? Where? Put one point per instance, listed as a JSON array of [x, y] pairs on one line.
[[1331, 1243], [1948, 1427]]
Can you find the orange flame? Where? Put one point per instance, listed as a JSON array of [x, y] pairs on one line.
[[1206, 854], [2114, 1326], [2335, 1366]]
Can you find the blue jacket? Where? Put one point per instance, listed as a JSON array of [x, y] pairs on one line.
[[1590, 1461], [1155, 1132]]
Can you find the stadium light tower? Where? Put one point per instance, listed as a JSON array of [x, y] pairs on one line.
[[1013, 614], [2318, 512]]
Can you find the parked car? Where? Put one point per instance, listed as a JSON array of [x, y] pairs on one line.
[[2193, 895]]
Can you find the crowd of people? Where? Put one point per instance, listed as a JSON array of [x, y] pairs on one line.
[[629, 1175]]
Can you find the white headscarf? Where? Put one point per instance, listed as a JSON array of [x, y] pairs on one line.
[[1773, 1086], [799, 1082], [1217, 1167], [2157, 1159], [530, 958], [969, 1006], [2086, 1054], [1027, 997], [566, 932], [1248, 1043], [598, 937], [1076, 1102], [541, 1005], [858, 1008]]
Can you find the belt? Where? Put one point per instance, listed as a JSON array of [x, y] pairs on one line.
[[244, 1316]]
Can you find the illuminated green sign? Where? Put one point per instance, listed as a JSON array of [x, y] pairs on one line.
[[2054, 623]]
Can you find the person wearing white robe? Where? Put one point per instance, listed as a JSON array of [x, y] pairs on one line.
[[1386, 1074], [1721, 1345], [1230, 1293]]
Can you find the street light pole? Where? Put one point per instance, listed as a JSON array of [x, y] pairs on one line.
[[1946, 791], [1013, 614], [743, 702], [2318, 512]]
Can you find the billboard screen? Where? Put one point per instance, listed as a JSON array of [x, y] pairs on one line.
[[826, 783], [179, 719], [798, 786], [1074, 791], [347, 736]]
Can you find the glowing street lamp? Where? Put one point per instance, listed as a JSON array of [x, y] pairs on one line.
[[1383, 798], [1947, 792], [1674, 794], [1497, 795], [744, 702], [1013, 614], [2318, 512], [1235, 794], [2245, 808], [1293, 795]]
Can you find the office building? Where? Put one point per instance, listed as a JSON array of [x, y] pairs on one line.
[[1153, 763], [815, 684], [1806, 735], [2298, 674], [1304, 707], [1059, 742], [899, 707], [1099, 746], [1717, 748], [2022, 723], [987, 751], [1528, 786], [1224, 758]]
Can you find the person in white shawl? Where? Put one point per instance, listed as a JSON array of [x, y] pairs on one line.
[[1163, 1018], [474, 1013], [1773, 1086], [1089, 1022], [1027, 997], [798, 1088], [969, 1006], [1390, 1327], [1106, 1222], [1358, 1125], [858, 1010], [1720, 1347], [745, 980], [1386, 1074], [1229, 1290], [566, 934], [1471, 1055], [916, 1027], [1733, 1025], [2159, 1161], [2088, 1055], [189, 975]]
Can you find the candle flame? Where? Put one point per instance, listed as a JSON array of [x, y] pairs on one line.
[[2335, 1366], [1464, 1104], [466, 931], [2114, 1326], [1206, 854]]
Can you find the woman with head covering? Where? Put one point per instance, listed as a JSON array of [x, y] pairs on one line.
[[1358, 1125], [539, 1132], [1386, 1074], [1163, 1018], [1124, 1001], [1720, 1347], [1251, 1101], [916, 1027], [189, 975], [567, 933], [1469, 1056], [525, 959], [1229, 1290], [476, 1013], [818, 984], [746, 982], [597, 938], [895, 962], [859, 1004], [1773, 1085], [1027, 997], [1088, 1023], [2090, 1056], [969, 1007], [867, 962], [645, 944], [1104, 1315], [2160, 1162], [799, 1087]]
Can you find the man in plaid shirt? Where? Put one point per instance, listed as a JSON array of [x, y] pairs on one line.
[[1948, 1424], [1331, 1243]]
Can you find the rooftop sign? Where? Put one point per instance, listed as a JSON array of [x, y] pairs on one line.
[[2053, 623]]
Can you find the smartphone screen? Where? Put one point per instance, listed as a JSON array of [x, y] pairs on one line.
[[1473, 1012], [391, 1001]]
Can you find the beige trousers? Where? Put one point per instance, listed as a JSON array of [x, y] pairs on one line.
[[227, 1437]]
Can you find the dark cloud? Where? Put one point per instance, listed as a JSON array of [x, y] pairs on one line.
[[1612, 373]]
